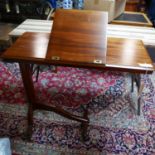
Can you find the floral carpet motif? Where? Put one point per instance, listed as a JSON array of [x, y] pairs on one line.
[[69, 87], [115, 128]]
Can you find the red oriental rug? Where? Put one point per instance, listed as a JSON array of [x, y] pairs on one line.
[[114, 127]]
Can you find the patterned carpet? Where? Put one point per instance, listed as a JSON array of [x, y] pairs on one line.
[[114, 127]]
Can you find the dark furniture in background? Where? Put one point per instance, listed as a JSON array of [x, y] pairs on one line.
[[132, 5], [151, 11], [5, 40], [133, 18], [137, 5], [147, 6], [16, 11]]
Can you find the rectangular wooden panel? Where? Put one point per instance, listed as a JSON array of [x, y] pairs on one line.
[[78, 37], [29, 47], [127, 54]]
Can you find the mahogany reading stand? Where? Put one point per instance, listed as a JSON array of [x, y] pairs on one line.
[[78, 39]]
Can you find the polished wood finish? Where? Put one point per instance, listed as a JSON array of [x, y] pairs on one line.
[[78, 37], [137, 5], [122, 54], [58, 49], [132, 5], [30, 93], [127, 54], [31, 47]]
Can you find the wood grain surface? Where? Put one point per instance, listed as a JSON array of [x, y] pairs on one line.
[[122, 54], [78, 36], [29, 47], [127, 53]]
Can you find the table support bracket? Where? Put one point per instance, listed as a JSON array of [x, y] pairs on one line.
[[30, 92]]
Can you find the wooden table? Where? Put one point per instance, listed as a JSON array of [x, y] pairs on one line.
[[146, 34], [126, 55]]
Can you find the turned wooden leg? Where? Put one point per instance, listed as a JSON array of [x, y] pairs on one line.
[[29, 90], [137, 79], [139, 106], [138, 83], [84, 125], [30, 122], [37, 74]]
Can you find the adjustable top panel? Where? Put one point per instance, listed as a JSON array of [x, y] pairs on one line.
[[78, 36]]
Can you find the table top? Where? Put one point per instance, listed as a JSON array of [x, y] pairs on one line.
[[78, 37], [122, 54], [146, 34]]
